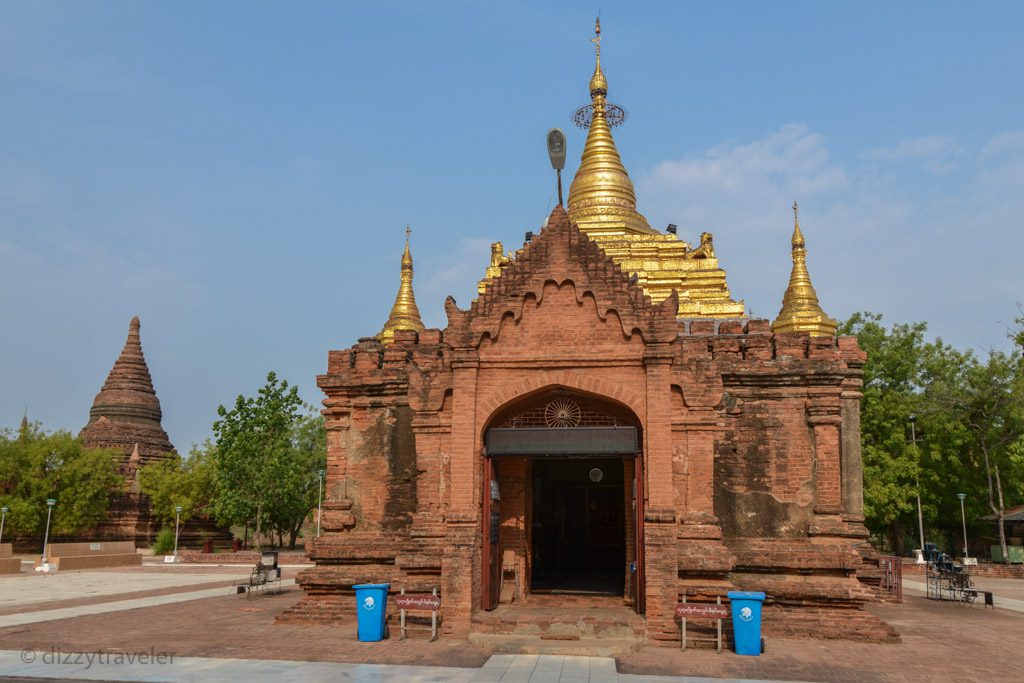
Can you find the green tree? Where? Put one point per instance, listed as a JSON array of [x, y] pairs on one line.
[[987, 403], [298, 489], [968, 429], [266, 455], [35, 466], [187, 482], [892, 386]]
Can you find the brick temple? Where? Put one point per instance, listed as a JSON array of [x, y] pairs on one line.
[[126, 416], [602, 427]]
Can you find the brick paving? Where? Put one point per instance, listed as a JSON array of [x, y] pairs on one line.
[[940, 641], [233, 627], [961, 643]]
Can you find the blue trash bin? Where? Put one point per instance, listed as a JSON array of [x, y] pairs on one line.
[[371, 608], [746, 621]]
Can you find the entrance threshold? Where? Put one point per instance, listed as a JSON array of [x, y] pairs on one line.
[[579, 585]]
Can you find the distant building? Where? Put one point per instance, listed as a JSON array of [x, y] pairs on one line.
[[126, 416], [606, 428]]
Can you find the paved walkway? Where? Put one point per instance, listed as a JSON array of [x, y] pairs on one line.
[[214, 635], [117, 605], [150, 667], [32, 588]]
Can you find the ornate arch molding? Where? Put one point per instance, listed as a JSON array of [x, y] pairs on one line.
[[552, 380], [584, 296]]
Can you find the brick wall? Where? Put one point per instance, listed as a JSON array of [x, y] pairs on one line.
[[749, 479]]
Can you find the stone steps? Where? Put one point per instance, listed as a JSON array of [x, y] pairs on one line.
[[527, 629], [536, 645], [562, 628]]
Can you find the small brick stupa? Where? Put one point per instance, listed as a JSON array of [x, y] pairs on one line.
[[126, 416]]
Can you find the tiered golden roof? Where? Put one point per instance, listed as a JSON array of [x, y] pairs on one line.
[[801, 311], [602, 202], [601, 198], [405, 315]]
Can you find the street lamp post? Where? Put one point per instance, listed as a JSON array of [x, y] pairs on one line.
[[50, 502], [917, 482], [963, 518], [177, 518], [3, 518], [319, 500]]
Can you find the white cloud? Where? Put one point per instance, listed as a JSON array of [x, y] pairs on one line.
[[882, 235], [453, 272], [936, 153], [914, 148], [737, 183], [1004, 143]]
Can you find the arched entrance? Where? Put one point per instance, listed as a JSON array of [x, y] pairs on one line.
[[563, 499]]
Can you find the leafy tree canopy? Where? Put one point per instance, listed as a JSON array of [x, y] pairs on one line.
[[962, 407], [187, 482], [35, 466], [267, 454]]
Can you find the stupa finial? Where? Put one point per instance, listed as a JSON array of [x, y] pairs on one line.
[[598, 83], [798, 237]]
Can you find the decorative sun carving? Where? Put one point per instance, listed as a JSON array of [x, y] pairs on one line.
[[562, 413]]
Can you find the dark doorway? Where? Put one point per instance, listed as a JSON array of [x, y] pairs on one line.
[[578, 530]]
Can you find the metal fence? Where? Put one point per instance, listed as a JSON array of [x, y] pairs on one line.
[[891, 568]]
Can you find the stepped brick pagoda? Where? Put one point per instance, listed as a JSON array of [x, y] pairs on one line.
[[126, 416], [602, 422]]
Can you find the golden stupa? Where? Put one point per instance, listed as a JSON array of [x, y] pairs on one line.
[[801, 311], [405, 315], [602, 202]]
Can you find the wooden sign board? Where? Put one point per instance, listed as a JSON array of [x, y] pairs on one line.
[[699, 611], [412, 601], [423, 601]]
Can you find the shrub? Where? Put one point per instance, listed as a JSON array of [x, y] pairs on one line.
[[164, 544]]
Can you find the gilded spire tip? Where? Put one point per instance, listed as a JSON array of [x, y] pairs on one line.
[[798, 237], [407, 256], [598, 83]]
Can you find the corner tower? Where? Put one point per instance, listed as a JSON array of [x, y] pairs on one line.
[[801, 311]]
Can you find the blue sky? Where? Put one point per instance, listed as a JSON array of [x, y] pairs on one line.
[[239, 174]]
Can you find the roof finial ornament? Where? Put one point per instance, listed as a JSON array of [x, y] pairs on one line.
[[598, 83], [798, 237]]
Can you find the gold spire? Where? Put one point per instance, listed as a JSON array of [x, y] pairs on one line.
[[598, 81], [404, 314], [801, 311], [601, 198]]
